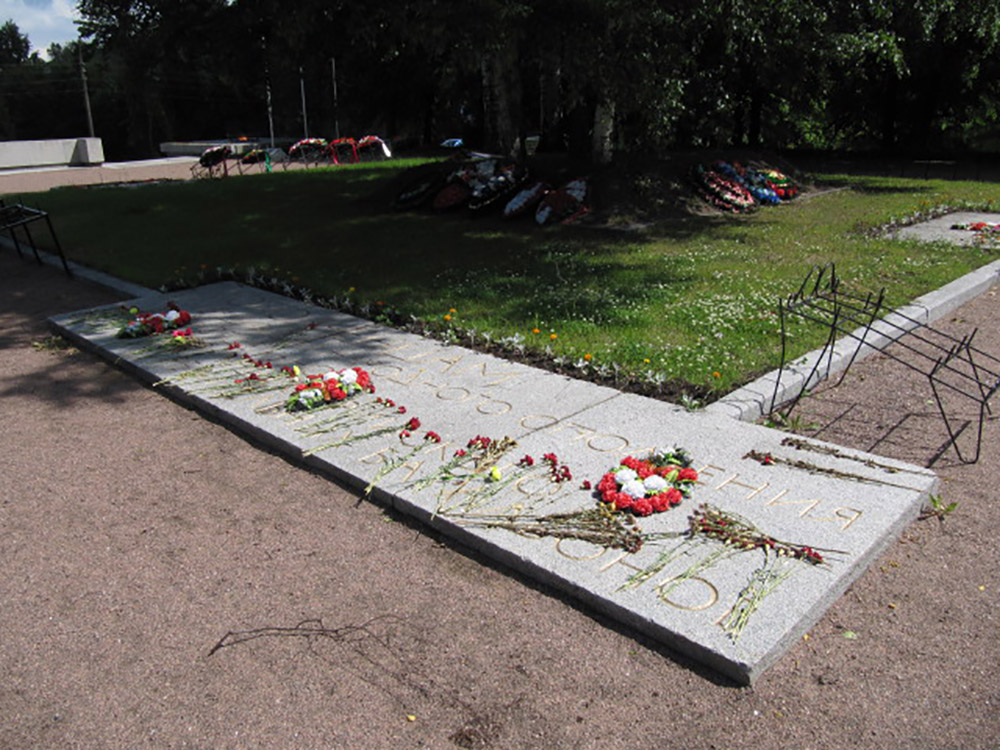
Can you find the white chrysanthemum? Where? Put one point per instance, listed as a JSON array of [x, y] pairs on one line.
[[655, 483], [332, 375], [310, 394], [635, 488], [172, 315], [347, 377], [624, 475]]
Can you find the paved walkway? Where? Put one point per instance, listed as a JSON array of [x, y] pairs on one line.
[[13, 182]]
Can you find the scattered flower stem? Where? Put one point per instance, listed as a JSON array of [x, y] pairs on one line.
[[768, 459], [763, 582], [600, 526]]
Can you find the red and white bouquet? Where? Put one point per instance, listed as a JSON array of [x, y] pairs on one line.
[[650, 485], [331, 387], [146, 324]]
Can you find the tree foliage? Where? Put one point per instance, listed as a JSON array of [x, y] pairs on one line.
[[595, 77]]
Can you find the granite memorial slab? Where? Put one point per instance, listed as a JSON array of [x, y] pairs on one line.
[[508, 459]]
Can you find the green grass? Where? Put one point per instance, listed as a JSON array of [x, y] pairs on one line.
[[692, 298]]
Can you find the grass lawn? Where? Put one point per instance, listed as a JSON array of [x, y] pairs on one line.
[[691, 298]]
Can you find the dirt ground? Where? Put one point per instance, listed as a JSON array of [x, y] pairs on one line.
[[135, 535]]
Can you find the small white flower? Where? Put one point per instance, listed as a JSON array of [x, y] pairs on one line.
[[172, 315], [635, 488], [310, 394], [655, 483], [347, 377], [624, 475]]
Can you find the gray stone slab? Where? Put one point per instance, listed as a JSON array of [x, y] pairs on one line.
[[940, 228], [812, 493]]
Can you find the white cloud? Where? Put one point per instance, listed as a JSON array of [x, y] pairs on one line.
[[44, 21]]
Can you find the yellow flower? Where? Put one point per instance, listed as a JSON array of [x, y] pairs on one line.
[[553, 336], [296, 370], [646, 360], [495, 474]]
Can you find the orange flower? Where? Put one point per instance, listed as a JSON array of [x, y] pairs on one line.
[[452, 310], [536, 330], [553, 336], [588, 357], [447, 317], [716, 374]]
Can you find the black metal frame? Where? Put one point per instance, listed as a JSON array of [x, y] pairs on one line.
[[946, 361], [18, 215]]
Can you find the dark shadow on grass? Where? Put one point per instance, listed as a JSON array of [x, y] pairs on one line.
[[873, 188]]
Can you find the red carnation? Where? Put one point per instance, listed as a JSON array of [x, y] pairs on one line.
[[642, 507], [608, 482], [622, 501], [687, 475], [338, 394], [413, 424], [674, 496]]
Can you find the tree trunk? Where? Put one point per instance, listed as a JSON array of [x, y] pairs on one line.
[[602, 148], [889, 114], [756, 115], [498, 74]]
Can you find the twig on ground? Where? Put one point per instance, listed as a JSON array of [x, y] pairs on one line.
[[312, 628]]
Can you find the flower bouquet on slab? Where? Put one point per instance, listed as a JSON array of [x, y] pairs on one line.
[[651, 485], [148, 324], [331, 387]]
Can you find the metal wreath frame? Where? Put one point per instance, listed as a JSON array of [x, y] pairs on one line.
[[947, 362]]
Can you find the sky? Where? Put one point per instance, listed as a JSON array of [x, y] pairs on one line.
[[43, 21]]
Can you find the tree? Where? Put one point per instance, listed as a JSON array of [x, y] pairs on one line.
[[14, 46]]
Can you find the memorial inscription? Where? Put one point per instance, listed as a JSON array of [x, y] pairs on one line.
[[734, 602]]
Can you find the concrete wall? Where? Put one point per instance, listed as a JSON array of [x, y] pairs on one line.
[[58, 151]]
